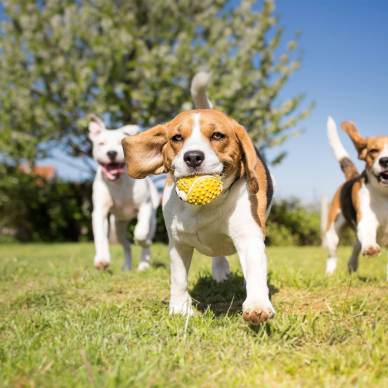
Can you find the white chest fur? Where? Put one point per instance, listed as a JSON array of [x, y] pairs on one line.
[[210, 229], [374, 205]]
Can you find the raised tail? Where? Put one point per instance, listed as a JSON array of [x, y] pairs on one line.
[[347, 166], [198, 90]]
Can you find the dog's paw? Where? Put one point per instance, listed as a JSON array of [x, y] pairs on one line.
[[181, 306], [102, 265], [372, 250], [143, 266], [257, 313]]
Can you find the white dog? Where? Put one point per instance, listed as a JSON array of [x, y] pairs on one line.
[[206, 141], [117, 194]]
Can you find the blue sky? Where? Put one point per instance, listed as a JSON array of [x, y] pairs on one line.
[[344, 70]]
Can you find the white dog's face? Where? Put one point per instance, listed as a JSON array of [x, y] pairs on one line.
[[107, 148]]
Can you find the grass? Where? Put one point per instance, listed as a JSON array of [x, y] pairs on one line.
[[62, 323]]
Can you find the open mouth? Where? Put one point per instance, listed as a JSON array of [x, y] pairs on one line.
[[383, 178], [113, 170]]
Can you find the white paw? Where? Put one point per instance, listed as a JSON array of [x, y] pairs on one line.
[[258, 312], [143, 265], [101, 264], [181, 306], [331, 265], [371, 250]]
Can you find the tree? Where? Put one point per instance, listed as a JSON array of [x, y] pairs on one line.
[[132, 62]]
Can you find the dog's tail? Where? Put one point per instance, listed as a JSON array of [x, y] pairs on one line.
[[347, 166], [198, 90]]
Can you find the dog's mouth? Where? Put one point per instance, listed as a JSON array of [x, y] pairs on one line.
[[113, 170], [383, 178]]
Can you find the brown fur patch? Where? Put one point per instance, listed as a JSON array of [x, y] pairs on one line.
[[348, 168]]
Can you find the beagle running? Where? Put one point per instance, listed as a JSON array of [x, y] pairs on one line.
[[206, 142], [362, 201]]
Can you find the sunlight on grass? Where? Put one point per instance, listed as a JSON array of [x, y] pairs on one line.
[[65, 324]]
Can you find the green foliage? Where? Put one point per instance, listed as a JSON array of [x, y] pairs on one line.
[[64, 324], [290, 223], [61, 60], [44, 211]]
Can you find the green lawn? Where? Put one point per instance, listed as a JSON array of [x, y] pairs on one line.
[[62, 323]]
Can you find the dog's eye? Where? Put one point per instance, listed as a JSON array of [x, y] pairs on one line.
[[177, 138], [374, 151], [217, 136], [101, 143]]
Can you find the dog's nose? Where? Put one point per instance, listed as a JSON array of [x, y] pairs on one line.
[[194, 158], [112, 155], [383, 162]]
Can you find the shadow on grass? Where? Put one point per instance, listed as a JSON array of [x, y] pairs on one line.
[[158, 264], [367, 279], [224, 298]]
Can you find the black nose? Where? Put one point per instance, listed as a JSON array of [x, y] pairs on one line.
[[383, 162], [112, 155], [194, 158]]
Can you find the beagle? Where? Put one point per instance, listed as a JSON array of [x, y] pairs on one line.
[[206, 142], [362, 201]]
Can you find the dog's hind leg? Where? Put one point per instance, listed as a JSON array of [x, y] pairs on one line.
[[144, 233], [100, 234], [331, 240], [353, 260], [220, 268], [122, 238]]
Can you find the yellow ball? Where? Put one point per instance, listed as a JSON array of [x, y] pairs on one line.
[[199, 189]]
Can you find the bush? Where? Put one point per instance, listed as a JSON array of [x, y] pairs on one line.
[[290, 223], [39, 210], [55, 210]]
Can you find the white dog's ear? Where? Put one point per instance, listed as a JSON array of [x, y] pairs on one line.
[[96, 126], [130, 130]]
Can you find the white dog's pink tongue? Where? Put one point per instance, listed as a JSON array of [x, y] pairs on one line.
[[113, 170]]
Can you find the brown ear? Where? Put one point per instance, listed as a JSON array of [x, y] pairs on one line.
[[249, 158], [359, 142], [257, 177], [144, 152]]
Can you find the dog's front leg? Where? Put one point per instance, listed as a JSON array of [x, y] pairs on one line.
[[367, 231], [101, 242], [257, 307], [180, 300]]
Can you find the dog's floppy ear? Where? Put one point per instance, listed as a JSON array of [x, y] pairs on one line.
[[96, 126], [258, 179], [359, 142], [130, 130], [144, 152], [249, 158]]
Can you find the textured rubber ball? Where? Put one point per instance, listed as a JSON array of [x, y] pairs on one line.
[[199, 189]]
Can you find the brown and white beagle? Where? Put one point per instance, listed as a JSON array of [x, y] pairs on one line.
[[206, 141], [362, 201]]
